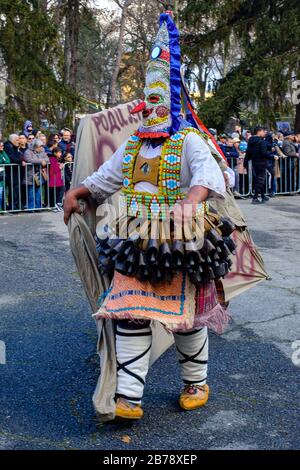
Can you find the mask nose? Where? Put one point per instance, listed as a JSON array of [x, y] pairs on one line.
[[139, 108]]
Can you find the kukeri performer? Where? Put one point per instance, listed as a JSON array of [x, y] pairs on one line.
[[158, 276]]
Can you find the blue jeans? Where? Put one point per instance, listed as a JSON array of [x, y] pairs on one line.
[[34, 197]]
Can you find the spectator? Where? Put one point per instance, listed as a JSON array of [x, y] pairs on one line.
[[238, 166], [289, 146], [13, 174], [271, 145], [30, 139], [23, 146], [247, 135], [43, 138], [230, 152], [27, 128], [212, 131], [56, 138], [4, 160], [52, 143], [33, 179], [222, 140], [279, 139], [258, 153], [56, 183], [68, 170], [66, 143]]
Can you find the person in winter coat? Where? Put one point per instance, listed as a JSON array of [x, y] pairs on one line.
[[289, 148], [68, 170], [33, 178], [258, 153], [66, 144], [4, 160], [271, 164], [13, 174], [56, 182], [27, 128]]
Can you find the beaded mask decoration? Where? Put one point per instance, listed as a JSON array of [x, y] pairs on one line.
[[167, 106], [162, 84]]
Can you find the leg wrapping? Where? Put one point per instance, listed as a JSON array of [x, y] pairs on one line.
[[133, 345], [192, 347]]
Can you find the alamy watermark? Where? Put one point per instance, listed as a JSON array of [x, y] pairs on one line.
[[296, 353], [2, 353]]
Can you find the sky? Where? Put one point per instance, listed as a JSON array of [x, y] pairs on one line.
[[106, 4]]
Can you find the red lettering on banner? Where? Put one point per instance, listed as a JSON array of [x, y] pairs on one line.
[[106, 141], [104, 123], [112, 122], [244, 262], [120, 118], [97, 121]]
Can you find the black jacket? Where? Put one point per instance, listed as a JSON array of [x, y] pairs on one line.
[[15, 157], [258, 152]]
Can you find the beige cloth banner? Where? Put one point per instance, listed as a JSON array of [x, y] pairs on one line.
[[248, 267]]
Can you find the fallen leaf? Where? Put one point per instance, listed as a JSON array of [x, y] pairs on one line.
[[126, 439]]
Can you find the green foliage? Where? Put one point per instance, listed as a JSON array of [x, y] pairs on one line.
[[266, 35], [30, 47]]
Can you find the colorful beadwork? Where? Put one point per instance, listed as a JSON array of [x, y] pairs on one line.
[[147, 205]]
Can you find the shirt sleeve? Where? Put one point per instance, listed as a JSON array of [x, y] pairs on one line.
[[108, 179], [204, 169]]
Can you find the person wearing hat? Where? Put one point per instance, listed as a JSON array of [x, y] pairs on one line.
[[36, 159]]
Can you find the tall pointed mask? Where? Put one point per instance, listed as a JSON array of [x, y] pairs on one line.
[[162, 103]]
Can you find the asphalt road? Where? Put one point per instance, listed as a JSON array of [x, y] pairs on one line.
[[51, 369]]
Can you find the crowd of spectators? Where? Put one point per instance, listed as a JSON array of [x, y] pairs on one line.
[[35, 169], [274, 157]]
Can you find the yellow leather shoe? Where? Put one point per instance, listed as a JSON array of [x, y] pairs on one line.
[[127, 410], [194, 396]]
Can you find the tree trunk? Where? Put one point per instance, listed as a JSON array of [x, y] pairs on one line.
[[72, 16], [113, 84], [71, 44]]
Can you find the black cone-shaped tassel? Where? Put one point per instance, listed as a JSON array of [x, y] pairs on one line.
[[143, 271], [214, 237], [207, 248], [178, 254], [192, 260], [165, 255], [152, 252], [226, 227], [156, 275]]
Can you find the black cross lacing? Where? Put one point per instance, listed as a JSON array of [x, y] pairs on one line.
[[188, 358]]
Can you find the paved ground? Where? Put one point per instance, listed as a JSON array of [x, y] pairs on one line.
[[51, 370]]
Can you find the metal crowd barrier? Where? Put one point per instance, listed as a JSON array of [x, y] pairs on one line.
[[283, 179], [25, 187]]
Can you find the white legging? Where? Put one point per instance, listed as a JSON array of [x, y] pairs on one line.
[[192, 347], [133, 345]]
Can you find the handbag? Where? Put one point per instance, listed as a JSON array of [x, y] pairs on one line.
[[44, 174], [37, 179]]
